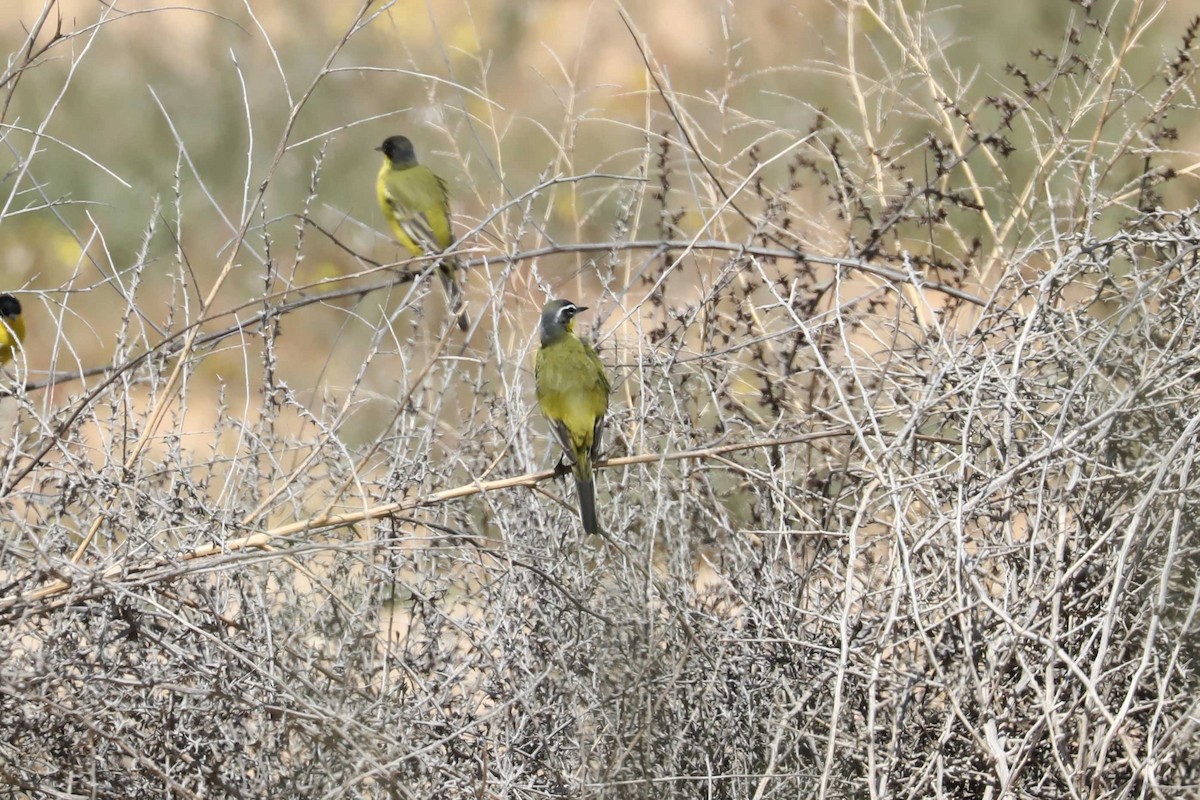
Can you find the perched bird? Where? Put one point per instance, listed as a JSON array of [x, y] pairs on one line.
[[12, 327], [416, 205], [572, 391]]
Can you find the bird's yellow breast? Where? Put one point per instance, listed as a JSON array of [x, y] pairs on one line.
[[12, 332], [572, 387]]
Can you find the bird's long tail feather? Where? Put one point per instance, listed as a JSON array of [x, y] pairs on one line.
[[587, 505], [454, 293]]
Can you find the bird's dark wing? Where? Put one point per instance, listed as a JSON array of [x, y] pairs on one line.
[[597, 437], [564, 439], [418, 229]]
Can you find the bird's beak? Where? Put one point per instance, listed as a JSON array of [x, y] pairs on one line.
[[581, 308], [378, 149]]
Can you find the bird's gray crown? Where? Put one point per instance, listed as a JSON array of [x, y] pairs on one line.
[[399, 150], [556, 318]]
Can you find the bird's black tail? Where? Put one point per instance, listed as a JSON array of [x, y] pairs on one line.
[[586, 490], [454, 294]]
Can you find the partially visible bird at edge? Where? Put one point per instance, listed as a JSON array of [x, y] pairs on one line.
[[12, 327]]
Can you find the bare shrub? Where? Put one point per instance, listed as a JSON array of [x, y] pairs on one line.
[[901, 471]]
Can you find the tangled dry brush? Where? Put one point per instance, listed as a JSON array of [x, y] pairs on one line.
[[902, 496]]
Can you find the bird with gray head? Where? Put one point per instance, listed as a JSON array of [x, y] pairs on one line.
[[572, 392]]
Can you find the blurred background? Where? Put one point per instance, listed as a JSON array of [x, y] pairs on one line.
[[174, 112], [157, 126]]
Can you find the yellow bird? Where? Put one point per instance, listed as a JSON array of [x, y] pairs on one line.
[[572, 391], [417, 207], [12, 327]]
